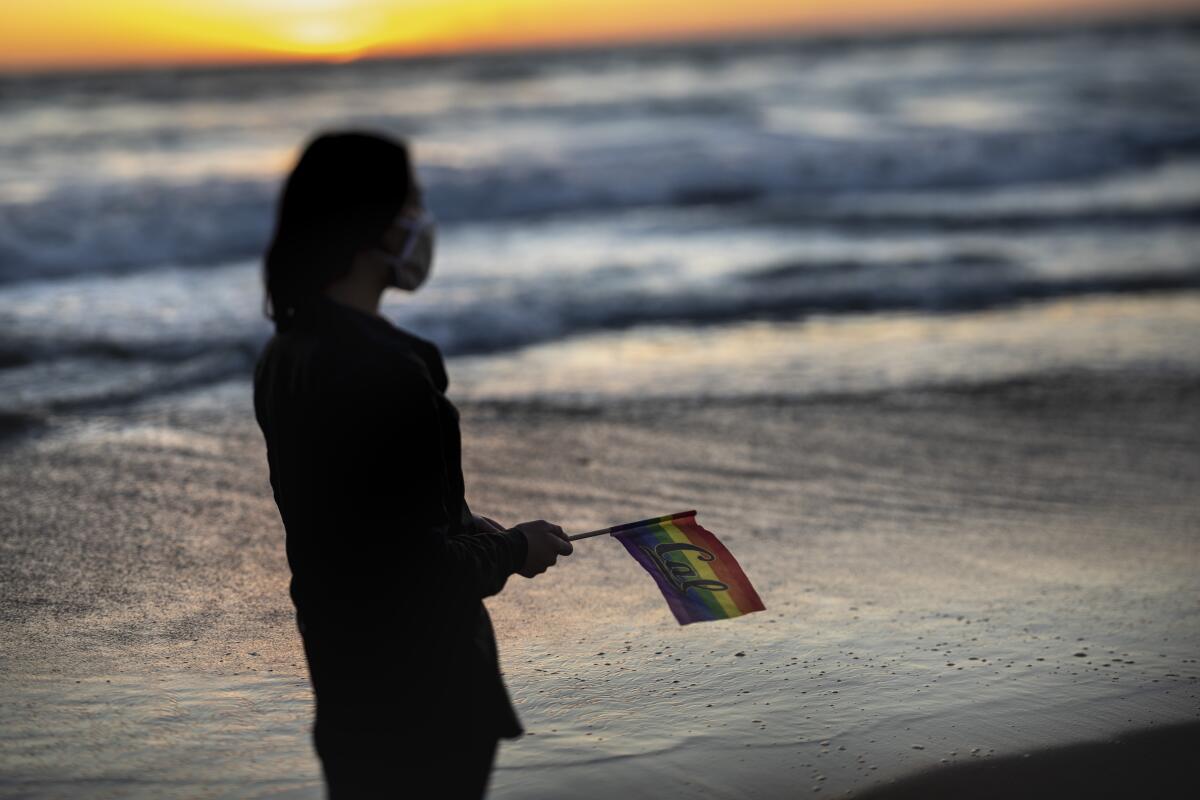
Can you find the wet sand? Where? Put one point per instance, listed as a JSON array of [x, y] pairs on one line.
[[952, 576]]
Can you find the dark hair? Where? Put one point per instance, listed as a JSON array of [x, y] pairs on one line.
[[340, 197]]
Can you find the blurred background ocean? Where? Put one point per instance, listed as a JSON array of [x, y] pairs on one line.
[[780, 216]]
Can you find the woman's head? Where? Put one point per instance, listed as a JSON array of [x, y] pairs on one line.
[[345, 196]]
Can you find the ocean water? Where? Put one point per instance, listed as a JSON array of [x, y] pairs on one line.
[[608, 216]]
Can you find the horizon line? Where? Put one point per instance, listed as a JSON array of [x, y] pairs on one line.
[[898, 29]]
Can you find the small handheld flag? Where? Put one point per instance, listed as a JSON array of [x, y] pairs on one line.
[[699, 578]]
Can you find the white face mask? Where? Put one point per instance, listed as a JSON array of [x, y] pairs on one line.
[[410, 267]]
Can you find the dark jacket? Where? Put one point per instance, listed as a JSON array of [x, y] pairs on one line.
[[388, 577]]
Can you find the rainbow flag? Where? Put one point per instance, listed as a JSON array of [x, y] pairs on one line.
[[698, 576]]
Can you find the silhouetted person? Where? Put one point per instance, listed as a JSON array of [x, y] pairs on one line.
[[389, 565]]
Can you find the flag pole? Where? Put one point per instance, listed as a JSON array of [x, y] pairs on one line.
[[629, 525], [600, 532]]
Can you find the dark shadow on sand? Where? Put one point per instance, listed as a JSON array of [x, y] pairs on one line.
[[1147, 764]]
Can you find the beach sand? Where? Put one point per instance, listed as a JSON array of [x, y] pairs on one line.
[[954, 578]]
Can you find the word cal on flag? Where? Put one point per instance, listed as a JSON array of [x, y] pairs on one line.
[[697, 575]]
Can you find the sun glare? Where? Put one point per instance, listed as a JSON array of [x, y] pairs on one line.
[[302, 27]]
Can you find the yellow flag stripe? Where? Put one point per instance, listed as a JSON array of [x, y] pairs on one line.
[[702, 568]]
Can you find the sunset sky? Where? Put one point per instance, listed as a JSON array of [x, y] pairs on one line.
[[81, 33]]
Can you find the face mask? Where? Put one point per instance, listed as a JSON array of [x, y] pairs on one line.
[[410, 267]]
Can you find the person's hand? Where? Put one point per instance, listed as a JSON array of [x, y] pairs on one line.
[[546, 543]]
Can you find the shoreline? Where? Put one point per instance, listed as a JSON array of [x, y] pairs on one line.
[[821, 358], [1019, 388]]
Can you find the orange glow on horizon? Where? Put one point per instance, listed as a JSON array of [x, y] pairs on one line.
[[80, 33]]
